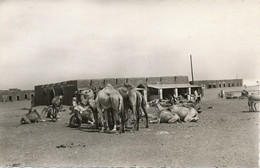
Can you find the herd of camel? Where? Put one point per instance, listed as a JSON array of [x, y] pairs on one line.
[[111, 109]]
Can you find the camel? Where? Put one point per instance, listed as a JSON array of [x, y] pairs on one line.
[[164, 116], [253, 99], [56, 106], [135, 101], [107, 99], [176, 113], [31, 117]]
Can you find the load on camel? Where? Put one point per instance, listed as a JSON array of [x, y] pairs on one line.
[[135, 101], [107, 100], [31, 117], [253, 101], [174, 113], [80, 112], [81, 117], [47, 112]]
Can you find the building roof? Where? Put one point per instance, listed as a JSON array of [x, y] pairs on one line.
[[171, 86]]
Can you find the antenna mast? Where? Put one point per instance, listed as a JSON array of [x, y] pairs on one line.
[[191, 70]]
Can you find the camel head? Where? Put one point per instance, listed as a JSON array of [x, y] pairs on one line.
[[154, 102], [88, 94], [92, 103]]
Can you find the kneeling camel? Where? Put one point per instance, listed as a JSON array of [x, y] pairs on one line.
[[174, 114]]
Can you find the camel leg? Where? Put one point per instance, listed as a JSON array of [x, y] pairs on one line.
[[138, 117], [175, 118], [144, 107], [102, 118], [116, 120], [54, 114], [155, 121], [44, 111], [79, 119], [58, 114], [251, 105], [134, 117], [254, 106], [106, 125], [146, 116], [122, 116], [126, 118], [95, 113], [25, 120], [191, 116]]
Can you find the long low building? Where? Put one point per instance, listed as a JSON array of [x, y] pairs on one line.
[[150, 87], [165, 91], [45, 93], [16, 95], [208, 84]]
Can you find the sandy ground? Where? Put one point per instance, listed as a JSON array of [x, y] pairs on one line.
[[226, 135]]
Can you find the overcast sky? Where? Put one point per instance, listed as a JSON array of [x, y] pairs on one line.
[[52, 41]]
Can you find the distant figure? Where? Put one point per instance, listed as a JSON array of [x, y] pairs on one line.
[[222, 94], [196, 95]]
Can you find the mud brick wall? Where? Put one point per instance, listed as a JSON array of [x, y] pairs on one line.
[[83, 83], [153, 80], [121, 81], [16, 95], [97, 82], [136, 81], [168, 79], [111, 81], [174, 79], [181, 79], [220, 83]]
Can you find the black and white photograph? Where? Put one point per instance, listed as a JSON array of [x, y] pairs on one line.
[[129, 83]]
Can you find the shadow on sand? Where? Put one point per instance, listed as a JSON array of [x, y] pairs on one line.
[[249, 111], [93, 129]]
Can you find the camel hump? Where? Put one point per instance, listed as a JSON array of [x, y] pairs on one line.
[[109, 86], [109, 89], [254, 97]]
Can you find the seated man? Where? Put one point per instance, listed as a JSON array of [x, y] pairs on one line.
[[77, 105], [85, 112]]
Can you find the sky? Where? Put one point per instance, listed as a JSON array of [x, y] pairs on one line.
[[48, 41]]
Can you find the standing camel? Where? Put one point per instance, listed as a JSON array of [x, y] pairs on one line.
[[135, 101], [56, 106], [107, 99]]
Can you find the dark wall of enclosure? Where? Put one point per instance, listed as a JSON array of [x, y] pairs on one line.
[[208, 84], [45, 93]]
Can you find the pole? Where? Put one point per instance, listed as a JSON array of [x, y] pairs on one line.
[[191, 70]]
